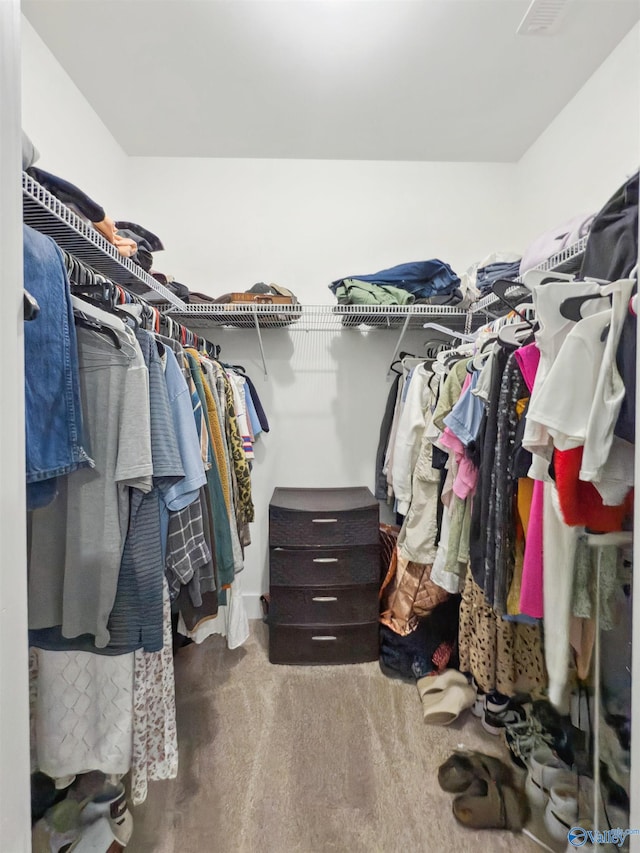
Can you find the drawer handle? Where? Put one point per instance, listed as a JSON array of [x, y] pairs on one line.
[[325, 559], [324, 638], [325, 520], [325, 598]]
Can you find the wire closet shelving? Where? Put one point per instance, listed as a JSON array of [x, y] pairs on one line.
[[44, 212]]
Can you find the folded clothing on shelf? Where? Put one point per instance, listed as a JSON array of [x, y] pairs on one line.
[[353, 292], [131, 240], [418, 278], [260, 293], [487, 275], [68, 194], [555, 240]]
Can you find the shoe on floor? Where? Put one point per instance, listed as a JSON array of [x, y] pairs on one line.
[[462, 768], [96, 837], [450, 704], [111, 804], [431, 687], [561, 812], [545, 771], [539, 728], [58, 829], [501, 807], [500, 714], [477, 709]]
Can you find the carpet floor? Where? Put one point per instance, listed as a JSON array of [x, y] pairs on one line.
[[284, 759]]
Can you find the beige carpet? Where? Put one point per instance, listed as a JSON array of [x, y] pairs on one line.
[[281, 759]]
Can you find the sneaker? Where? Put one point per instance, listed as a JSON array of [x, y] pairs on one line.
[[477, 709], [561, 812], [96, 837], [545, 771], [523, 738], [500, 713], [112, 805]]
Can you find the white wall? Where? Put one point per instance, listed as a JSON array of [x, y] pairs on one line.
[[591, 147], [72, 141], [230, 223]]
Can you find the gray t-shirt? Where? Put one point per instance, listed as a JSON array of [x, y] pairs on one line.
[[77, 541]]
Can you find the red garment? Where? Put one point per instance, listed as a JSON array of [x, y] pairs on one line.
[[580, 502], [442, 656]]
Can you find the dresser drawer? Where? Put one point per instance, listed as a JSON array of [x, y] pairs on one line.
[[321, 529], [322, 605], [291, 644], [308, 518], [330, 566]]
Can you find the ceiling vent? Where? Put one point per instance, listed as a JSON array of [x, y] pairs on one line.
[[542, 18]]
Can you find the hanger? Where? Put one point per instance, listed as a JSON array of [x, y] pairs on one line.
[[500, 288], [435, 346], [516, 335], [90, 323], [571, 308], [30, 307], [537, 278]]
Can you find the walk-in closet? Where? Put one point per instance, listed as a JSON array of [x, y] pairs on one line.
[[318, 426]]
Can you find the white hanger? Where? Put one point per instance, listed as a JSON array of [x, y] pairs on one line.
[[97, 314], [532, 278], [515, 334], [450, 332]]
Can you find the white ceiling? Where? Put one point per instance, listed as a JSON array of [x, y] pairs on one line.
[[346, 79]]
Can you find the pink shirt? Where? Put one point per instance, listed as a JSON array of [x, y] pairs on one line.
[[531, 591]]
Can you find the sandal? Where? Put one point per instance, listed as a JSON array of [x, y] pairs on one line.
[[430, 684], [431, 687], [449, 705], [500, 808], [459, 771]]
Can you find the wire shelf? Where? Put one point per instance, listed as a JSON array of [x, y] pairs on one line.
[[44, 212], [568, 260], [307, 318]]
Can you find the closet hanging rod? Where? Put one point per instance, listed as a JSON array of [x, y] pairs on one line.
[[114, 295]]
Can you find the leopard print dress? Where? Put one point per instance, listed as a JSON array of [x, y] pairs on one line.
[[501, 655]]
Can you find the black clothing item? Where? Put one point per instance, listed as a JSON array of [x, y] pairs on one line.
[[440, 509], [500, 561], [143, 258], [412, 656], [141, 235], [521, 459], [612, 245], [146, 241], [626, 360], [439, 458], [68, 194], [383, 441], [262, 417], [479, 545]]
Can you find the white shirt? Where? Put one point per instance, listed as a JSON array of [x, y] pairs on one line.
[[409, 437]]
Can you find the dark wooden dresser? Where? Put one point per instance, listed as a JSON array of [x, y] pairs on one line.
[[324, 570]]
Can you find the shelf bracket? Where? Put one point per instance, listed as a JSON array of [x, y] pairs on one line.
[[264, 361], [403, 332]]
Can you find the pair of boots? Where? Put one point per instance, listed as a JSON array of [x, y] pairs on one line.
[[486, 796]]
